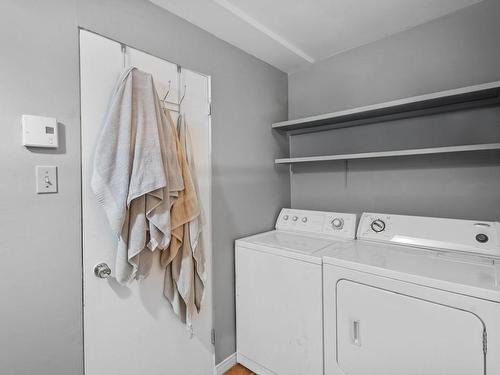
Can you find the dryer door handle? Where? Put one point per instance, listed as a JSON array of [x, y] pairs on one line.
[[356, 332]]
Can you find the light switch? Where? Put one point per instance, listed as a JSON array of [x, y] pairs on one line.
[[46, 179]]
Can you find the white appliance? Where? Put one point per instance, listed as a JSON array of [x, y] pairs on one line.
[[279, 317], [413, 296]]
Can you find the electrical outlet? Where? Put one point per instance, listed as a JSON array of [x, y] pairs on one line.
[[46, 179]]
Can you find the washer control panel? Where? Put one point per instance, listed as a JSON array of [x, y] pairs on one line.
[[377, 225], [481, 237], [334, 224], [337, 223]]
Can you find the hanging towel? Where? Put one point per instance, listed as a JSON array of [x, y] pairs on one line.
[[179, 283], [130, 177], [195, 225]]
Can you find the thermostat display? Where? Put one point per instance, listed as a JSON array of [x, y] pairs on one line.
[[39, 131]]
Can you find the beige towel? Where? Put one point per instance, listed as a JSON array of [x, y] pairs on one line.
[[195, 226], [130, 176], [184, 209], [179, 285]]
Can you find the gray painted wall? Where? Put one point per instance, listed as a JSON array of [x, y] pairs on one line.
[[457, 50], [40, 289], [41, 314]]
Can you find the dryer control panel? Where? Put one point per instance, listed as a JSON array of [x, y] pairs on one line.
[[480, 237], [323, 223]]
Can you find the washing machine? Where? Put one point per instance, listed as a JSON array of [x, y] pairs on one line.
[[279, 303], [414, 296]]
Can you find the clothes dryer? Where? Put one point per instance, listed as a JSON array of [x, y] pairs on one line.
[[413, 295]]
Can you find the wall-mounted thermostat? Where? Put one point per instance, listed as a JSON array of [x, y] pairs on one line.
[[39, 131]]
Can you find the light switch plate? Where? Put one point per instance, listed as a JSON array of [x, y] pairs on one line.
[[46, 179]]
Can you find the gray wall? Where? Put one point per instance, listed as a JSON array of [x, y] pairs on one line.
[[41, 314], [457, 50], [40, 288]]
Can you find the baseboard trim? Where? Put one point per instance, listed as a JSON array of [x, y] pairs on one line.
[[253, 366], [226, 364]]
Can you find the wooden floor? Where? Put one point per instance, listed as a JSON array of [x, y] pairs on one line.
[[239, 370]]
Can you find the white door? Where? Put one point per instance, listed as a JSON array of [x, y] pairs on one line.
[[279, 324], [132, 330], [382, 332]]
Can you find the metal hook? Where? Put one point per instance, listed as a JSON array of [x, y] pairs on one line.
[[168, 91], [124, 55], [182, 98]]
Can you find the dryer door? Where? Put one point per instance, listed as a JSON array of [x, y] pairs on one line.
[[382, 332]]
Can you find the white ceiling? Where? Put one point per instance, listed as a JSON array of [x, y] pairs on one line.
[[292, 34]]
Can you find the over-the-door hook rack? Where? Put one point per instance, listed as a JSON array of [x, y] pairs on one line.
[[165, 101], [124, 55], [183, 95], [168, 91]]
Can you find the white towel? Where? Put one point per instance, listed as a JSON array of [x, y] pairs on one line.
[[136, 173]]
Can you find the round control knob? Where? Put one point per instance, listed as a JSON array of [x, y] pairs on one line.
[[295, 218], [285, 217], [481, 237], [337, 223], [377, 225], [304, 219]]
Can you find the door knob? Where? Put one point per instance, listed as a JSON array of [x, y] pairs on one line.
[[102, 271]]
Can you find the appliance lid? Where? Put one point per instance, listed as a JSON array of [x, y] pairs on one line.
[[289, 241], [420, 266]]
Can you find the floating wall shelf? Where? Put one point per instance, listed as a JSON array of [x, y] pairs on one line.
[[383, 154], [466, 97]]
